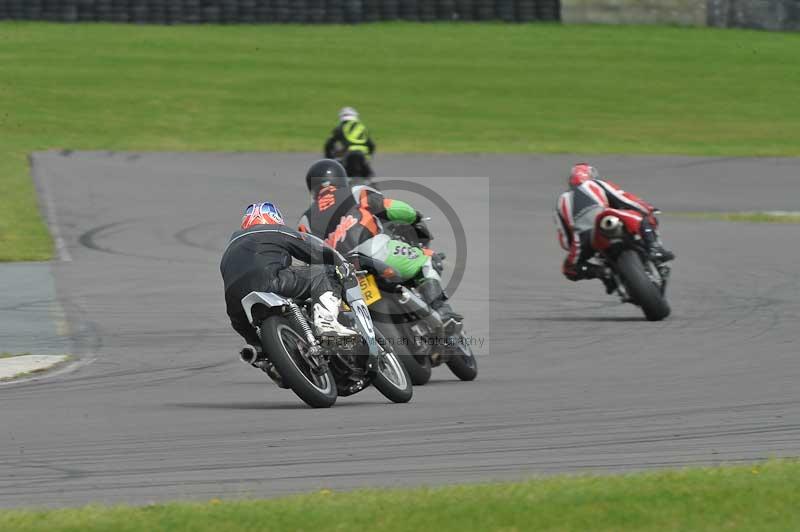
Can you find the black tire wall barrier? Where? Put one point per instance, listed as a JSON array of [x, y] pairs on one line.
[[775, 15], [277, 11]]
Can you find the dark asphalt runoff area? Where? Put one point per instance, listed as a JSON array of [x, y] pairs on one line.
[[570, 379]]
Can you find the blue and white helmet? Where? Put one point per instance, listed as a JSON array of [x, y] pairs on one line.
[[264, 213]]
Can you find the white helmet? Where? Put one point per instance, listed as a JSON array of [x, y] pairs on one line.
[[347, 113]]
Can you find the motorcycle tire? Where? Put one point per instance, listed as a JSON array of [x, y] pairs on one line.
[[392, 379], [282, 342], [462, 363], [640, 288], [418, 367]]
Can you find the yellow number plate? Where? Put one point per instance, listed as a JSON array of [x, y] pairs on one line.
[[369, 288]]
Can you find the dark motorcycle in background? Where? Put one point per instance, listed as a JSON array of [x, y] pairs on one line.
[[358, 167], [419, 337], [320, 370], [638, 279]]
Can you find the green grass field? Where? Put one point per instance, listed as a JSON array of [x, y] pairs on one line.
[[421, 88], [754, 498], [749, 217]]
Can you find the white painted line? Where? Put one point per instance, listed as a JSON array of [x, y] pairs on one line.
[[62, 369], [50, 214], [18, 366]]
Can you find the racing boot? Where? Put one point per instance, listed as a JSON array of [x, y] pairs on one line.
[[255, 357], [437, 261], [326, 318], [432, 293], [658, 253], [587, 270]]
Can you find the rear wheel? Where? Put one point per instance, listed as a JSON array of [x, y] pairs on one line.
[[285, 348], [462, 362], [640, 287]]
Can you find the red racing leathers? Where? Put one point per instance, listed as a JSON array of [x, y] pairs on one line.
[[577, 210]]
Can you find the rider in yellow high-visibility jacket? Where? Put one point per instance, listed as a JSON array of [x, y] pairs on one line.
[[351, 144]]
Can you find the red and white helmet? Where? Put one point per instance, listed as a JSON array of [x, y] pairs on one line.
[[581, 173]]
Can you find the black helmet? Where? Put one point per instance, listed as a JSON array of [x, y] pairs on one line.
[[323, 173]]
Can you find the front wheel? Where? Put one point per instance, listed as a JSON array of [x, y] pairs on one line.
[[286, 349], [462, 362], [640, 287], [392, 379]]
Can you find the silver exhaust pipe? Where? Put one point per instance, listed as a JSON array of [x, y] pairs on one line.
[[611, 226], [248, 355]]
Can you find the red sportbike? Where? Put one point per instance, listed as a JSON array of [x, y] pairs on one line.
[[620, 248]]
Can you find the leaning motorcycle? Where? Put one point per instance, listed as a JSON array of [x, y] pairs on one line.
[[638, 279], [317, 369], [416, 331]]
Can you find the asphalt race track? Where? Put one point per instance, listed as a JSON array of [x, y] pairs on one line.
[[570, 380]]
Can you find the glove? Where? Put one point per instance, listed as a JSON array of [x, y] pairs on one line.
[[422, 231], [345, 271]]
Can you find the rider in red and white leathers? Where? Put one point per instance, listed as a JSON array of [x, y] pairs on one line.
[[577, 210]]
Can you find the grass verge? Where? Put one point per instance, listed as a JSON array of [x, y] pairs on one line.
[[23, 234], [751, 217], [421, 88], [12, 355], [760, 497]]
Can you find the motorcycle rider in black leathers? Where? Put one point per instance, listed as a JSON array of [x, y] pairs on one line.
[[259, 258], [352, 219], [351, 138]]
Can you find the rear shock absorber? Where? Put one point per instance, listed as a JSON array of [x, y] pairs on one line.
[[318, 364], [302, 322]]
